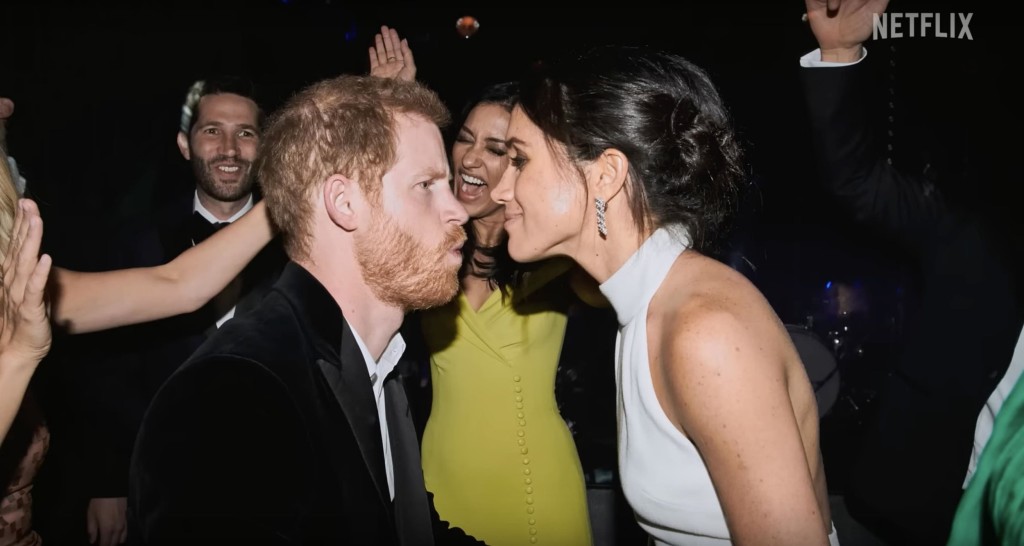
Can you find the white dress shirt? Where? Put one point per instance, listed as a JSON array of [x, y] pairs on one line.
[[378, 371], [197, 206]]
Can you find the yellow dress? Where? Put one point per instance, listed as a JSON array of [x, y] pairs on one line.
[[497, 455]]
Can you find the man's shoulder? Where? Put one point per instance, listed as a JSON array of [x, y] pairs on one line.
[[269, 332], [294, 324], [253, 359]]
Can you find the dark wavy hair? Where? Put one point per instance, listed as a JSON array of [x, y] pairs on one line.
[[495, 265], [685, 162]]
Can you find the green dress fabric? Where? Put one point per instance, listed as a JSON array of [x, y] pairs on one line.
[[992, 508]]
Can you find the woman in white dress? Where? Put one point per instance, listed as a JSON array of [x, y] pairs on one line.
[[625, 160]]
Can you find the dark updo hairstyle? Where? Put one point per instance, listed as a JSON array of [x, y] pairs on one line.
[[663, 113]]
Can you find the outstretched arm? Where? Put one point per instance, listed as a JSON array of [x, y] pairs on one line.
[[87, 302]]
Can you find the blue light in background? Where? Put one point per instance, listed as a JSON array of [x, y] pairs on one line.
[[828, 285]]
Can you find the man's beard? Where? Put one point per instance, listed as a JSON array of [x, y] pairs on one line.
[[403, 272], [207, 181]]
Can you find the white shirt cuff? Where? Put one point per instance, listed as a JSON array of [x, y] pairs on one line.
[[813, 60]]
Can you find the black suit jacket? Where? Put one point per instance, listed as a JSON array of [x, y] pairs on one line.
[[959, 340], [121, 374], [270, 435]]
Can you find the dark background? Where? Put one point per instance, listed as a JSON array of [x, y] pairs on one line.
[[99, 89]]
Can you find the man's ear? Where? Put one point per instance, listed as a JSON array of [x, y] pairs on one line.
[[607, 174], [183, 145], [344, 201]]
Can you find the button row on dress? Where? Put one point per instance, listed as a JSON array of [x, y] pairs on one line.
[[528, 481]]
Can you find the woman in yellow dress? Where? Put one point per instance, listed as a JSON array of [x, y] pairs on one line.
[[497, 455]]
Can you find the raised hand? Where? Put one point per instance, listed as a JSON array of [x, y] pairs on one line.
[[391, 57], [842, 26], [25, 329]]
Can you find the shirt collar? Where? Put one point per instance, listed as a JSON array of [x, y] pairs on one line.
[[380, 369], [197, 206]]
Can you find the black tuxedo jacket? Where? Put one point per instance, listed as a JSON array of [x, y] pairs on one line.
[[269, 435], [121, 374], [907, 481]]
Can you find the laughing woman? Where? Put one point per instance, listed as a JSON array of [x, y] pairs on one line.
[[497, 455]]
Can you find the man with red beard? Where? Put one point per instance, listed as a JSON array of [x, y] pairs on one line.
[[288, 426]]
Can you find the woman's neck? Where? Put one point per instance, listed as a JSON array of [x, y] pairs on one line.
[[488, 230], [601, 256]]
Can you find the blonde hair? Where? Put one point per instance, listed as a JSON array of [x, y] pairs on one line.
[[8, 204], [343, 125]]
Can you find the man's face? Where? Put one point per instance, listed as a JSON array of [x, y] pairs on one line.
[[222, 146], [410, 254]]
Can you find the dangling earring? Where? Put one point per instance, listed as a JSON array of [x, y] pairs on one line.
[[602, 227]]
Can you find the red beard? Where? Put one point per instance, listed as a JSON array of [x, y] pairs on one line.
[[403, 272]]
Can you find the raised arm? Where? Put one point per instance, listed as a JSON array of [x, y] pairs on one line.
[[852, 166], [726, 388], [87, 302]]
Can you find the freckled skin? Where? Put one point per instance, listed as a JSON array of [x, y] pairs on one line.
[[750, 410]]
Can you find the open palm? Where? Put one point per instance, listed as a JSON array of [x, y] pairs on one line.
[[391, 57], [25, 329]]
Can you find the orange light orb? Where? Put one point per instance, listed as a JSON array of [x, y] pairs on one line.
[[467, 26]]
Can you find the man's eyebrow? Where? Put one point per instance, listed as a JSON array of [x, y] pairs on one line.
[[433, 174]]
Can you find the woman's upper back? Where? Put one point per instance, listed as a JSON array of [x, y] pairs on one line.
[[710, 390], [706, 303], [727, 375]]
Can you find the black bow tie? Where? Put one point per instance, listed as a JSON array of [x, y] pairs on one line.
[[201, 228]]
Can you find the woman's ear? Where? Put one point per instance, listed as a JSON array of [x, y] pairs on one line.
[[607, 174]]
